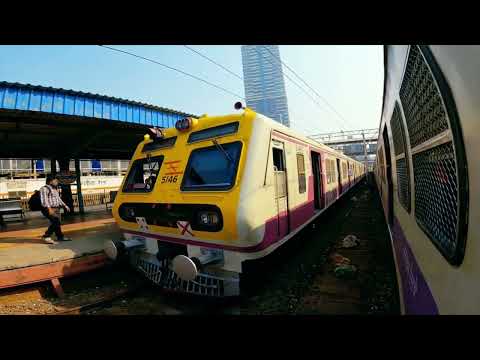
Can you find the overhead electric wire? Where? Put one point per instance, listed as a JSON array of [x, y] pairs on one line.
[[212, 61], [174, 69], [306, 84], [301, 88]]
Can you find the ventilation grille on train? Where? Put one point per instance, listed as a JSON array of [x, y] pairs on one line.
[[397, 131], [436, 194], [403, 183], [436, 146], [422, 103], [402, 162]]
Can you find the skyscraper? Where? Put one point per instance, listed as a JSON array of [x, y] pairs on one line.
[[263, 80]]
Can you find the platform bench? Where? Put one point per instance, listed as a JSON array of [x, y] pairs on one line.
[[11, 207]]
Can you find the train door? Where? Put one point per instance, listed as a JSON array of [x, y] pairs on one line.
[[388, 171], [281, 191], [317, 181], [339, 173]]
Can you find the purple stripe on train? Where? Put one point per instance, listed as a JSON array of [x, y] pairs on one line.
[[417, 297]]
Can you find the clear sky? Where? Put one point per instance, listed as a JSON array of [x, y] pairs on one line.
[[350, 78]]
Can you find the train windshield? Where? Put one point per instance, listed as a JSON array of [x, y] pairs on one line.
[[212, 168], [143, 174]]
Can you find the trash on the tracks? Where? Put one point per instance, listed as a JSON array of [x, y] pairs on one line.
[[338, 259], [349, 241], [345, 271]]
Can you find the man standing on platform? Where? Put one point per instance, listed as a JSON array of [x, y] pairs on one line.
[[51, 203]]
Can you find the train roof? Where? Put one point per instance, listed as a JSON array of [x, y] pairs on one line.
[[288, 131]]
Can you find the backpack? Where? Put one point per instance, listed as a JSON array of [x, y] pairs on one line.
[[35, 202]]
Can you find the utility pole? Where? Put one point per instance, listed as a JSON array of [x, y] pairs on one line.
[[34, 166], [78, 173], [53, 166], [365, 151]]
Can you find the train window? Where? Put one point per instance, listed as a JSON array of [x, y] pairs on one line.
[[334, 171], [327, 170], [302, 181], [278, 163], [157, 144], [344, 170], [143, 174], [401, 157], [212, 168], [213, 132], [439, 167], [381, 167], [330, 170], [279, 173]]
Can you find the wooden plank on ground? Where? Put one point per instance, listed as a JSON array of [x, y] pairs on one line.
[[55, 270]]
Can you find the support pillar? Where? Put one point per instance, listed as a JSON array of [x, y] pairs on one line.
[[53, 166], [57, 287], [34, 168], [79, 187], [66, 187], [365, 151]]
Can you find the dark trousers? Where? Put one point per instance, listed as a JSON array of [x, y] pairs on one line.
[[2, 222], [55, 226]]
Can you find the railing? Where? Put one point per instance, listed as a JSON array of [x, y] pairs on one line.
[[92, 199], [23, 174]]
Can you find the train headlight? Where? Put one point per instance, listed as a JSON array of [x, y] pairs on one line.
[[183, 125], [208, 218], [186, 124], [130, 212]]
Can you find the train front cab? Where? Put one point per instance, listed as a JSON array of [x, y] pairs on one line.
[[271, 197], [182, 221]]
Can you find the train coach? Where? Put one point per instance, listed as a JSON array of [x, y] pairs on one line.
[[428, 175], [201, 198]]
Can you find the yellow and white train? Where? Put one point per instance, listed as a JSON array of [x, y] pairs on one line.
[[203, 197], [428, 175]]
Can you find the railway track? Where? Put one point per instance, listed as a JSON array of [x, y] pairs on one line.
[[102, 303], [303, 280]]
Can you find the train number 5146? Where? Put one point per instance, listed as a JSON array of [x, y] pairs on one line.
[[169, 179]]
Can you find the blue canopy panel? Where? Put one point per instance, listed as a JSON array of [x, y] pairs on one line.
[[14, 96], [39, 165], [96, 165]]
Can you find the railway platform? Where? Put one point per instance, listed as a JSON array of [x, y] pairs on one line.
[[26, 259]]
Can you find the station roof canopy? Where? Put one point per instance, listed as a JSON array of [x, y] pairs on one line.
[[44, 122]]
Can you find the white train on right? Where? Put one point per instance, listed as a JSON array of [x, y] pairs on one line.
[[428, 175]]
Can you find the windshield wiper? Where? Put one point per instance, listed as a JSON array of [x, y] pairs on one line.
[[220, 147]]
